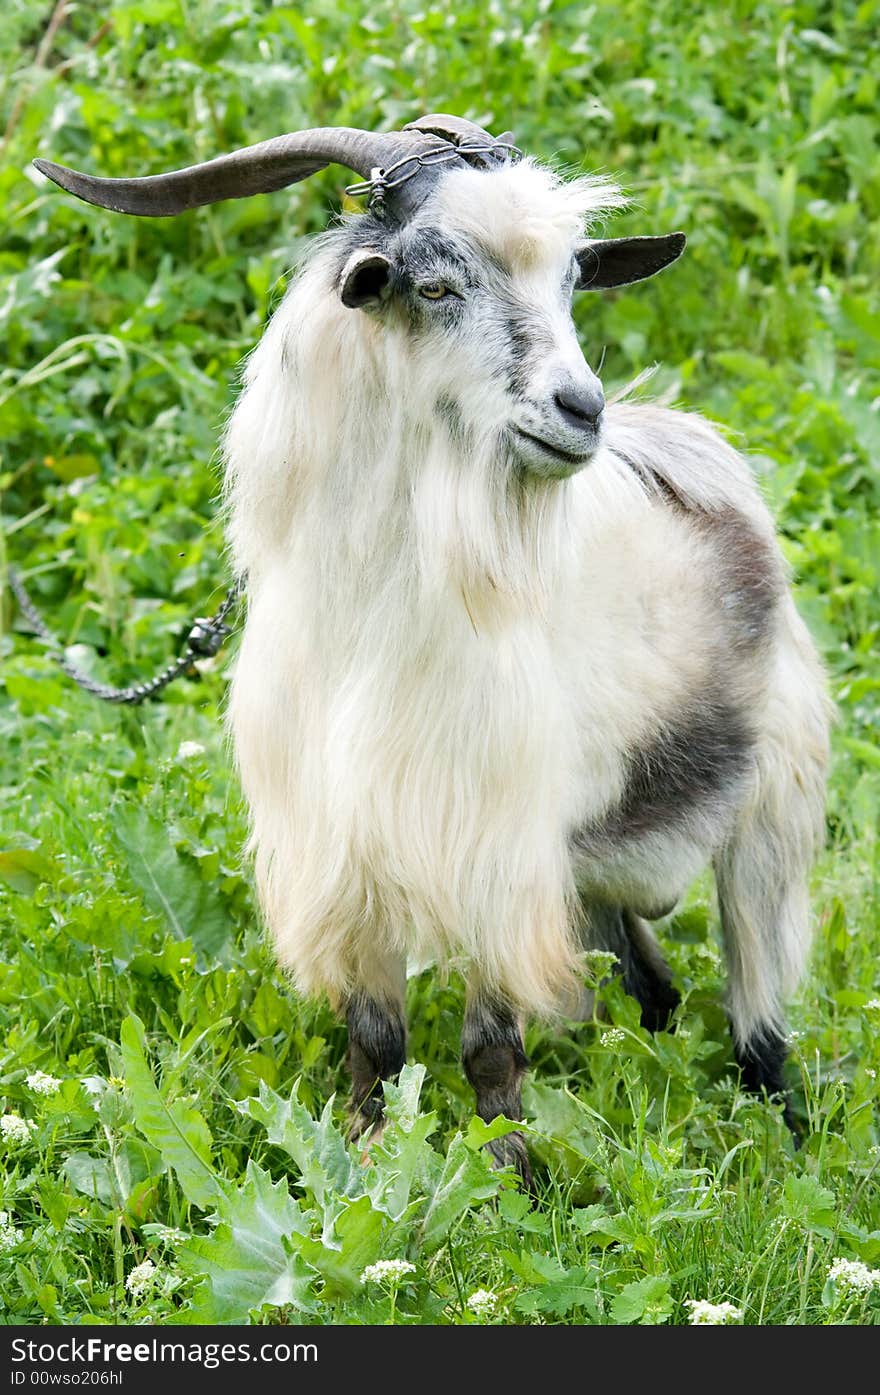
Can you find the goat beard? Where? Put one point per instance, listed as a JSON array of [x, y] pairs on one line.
[[502, 536]]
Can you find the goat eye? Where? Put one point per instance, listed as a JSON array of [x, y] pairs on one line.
[[433, 290]]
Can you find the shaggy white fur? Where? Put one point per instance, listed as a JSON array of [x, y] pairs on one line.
[[449, 663]]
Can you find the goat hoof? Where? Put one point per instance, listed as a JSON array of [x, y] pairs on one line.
[[511, 1151]]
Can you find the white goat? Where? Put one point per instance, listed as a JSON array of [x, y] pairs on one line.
[[515, 667]]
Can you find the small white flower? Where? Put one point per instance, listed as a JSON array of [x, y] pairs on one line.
[[43, 1084], [142, 1278], [873, 1005], [851, 1276], [188, 750], [482, 1302], [15, 1129], [170, 1235], [386, 1271], [704, 1314], [615, 1036], [10, 1236]]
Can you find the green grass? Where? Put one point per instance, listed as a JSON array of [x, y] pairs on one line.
[[133, 968]]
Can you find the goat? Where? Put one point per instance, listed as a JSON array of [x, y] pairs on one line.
[[517, 664]]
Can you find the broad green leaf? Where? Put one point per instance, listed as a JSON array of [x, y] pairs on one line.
[[562, 1133], [316, 1146], [517, 1210], [251, 1259], [573, 1288], [173, 888], [356, 1242], [24, 869], [631, 1231], [402, 1095], [113, 1179], [401, 1162], [647, 1302], [809, 1203], [480, 1133], [178, 1131], [91, 1176], [466, 1180]]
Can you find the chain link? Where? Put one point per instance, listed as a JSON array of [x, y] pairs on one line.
[[204, 640]]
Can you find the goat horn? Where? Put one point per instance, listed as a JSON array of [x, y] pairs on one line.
[[459, 132], [256, 169]]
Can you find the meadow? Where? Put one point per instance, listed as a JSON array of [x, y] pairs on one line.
[[171, 1116]]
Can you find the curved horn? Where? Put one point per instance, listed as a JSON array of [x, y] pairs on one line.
[[460, 132], [256, 169]]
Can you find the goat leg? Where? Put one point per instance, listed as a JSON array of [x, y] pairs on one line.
[[376, 1052], [494, 1062]]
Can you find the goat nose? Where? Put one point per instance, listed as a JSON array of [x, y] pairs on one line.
[[581, 407]]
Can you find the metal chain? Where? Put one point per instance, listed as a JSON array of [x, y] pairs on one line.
[[204, 640], [379, 184]]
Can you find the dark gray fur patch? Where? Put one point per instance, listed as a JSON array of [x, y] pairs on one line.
[[522, 347], [526, 342], [494, 1063], [355, 233], [376, 1052], [700, 755], [750, 579], [427, 249], [412, 252], [493, 1058], [450, 412]]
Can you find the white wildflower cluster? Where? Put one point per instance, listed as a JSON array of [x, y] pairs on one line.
[[598, 963], [188, 750], [10, 1236], [142, 1279], [704, 1314], [387, 1271], [615, 1036], [853, 1277], [872, 1005], [42, 1084], [14, 1129], [482, 1303]]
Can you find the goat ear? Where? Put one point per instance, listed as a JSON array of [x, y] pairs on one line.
[[366, 280], [617, 261]]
